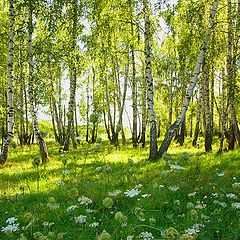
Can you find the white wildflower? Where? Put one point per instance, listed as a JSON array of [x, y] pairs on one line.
[[84, 200], [10, 228], [176, 167], [146, 195], [192, 231], [195, 229], [131, 193], [71, 208], [98, 169], [221, 174], [48, 224], [11, 220], [114, 193], [231, 195], [192, 194], [94, 224], [146, 236], [236, 205], [130, 237], [81, 219], [173, 188]]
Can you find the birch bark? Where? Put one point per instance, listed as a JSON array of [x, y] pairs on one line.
[[10, 111], [149, 81], [40, 140], [175, 126]]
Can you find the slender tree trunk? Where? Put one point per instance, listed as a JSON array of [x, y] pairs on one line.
[[197, 127], [224, 112], [134, 92], [73, 81], [144, 109], [22, 134], [208, 120], [87, 112], [149, 80], [40, 140], [10, 112], [175, 126], [231, 80], [124, 142]]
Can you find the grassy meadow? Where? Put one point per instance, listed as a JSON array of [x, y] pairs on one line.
[[99, 192]]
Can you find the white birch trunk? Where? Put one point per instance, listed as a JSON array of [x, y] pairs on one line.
[[40, 140], [10, 111], [175, 126], [149, 81]]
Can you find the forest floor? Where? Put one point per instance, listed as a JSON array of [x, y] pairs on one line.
[[99, 192]]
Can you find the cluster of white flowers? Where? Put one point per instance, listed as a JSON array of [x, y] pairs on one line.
[[173, 188], [114, 193], [12, 225], [146, 236], [236, 205], [48, 224], [94, 225], [132, 193], [81, 219], [71, 208], [176, 167], [221, 174], [194, 229], [231, 195], [84, 200]]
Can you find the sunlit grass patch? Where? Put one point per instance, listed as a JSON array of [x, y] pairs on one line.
[[118, 194]]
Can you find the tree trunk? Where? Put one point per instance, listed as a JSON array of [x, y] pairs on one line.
[[73, 81], [208, 120], [175, 126], [144, 109], [134, 92], [40, 140], [149, 81], [87, 112], [199, 102], [10, 112]]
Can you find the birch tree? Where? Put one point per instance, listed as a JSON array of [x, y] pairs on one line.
[[40, 140], [175, 126], [149, 80], [10, 111]]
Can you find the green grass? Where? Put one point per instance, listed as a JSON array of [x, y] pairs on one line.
[[172, 202]]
